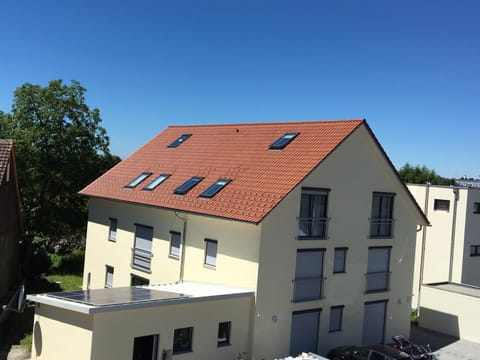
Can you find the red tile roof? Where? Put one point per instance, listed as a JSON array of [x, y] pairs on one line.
[[6, 148], [261, 178]]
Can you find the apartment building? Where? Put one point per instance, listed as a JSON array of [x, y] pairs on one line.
[[310, 217]]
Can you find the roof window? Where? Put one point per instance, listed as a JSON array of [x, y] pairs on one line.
[[158, 180], [138, 179], [187, 185], [213, 189], [283, 141], [179, 141]]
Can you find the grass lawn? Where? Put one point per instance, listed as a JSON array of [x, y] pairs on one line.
[[67, 282]]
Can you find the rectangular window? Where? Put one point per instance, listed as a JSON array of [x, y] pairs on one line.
[[142, 251], [180, 140], [108, 276], [211, 252], [175, 240], [182, 340], [378, 269], [145, 347], [441, 205], [381, 222], [313, 214], [187, 185], [157, 181], [138, 179], [112, 231], [476, 208], [339, 260], [138, 281], [336, 318], [474, 250], [283, 141], [308, 282], [213, 189], [223, 334]]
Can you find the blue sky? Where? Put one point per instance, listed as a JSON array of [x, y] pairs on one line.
[[411, 68]]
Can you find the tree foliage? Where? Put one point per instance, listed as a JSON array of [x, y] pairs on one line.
[[421, 175], [60, 147]]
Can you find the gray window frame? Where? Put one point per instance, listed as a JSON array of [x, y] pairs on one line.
[[178, 337], [208, 243], [313, 226], [224, 341], [382, 218], [172, 235], [112, 229], [336, 326], [107, 273], [344, 267]]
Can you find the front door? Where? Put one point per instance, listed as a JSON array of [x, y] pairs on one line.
[[374, 322], [304, 334]]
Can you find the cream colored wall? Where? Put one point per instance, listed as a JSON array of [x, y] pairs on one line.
[[61, 334], [238, 246], [115, 331], [352, 173], [471, 264], [450, 313]]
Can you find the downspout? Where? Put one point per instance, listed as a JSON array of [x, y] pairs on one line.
[[454, 225], [422, 254], [182, 256]]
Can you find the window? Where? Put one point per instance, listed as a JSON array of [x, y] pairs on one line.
[[182, 340], [142, 251], [313, 214], [378, 269], [175, 239], [474, 250], [211, 252], [138, 281], [283, 141], [308, 282], [157, 181], [223, 334], [339, 260], [145, 347], [336, 317], [179, 141], [304, 331], [108, 276], [186, 186], [215, 188], [441, 205], [476, 208], [138, 179], [381, 222], [112, 232]]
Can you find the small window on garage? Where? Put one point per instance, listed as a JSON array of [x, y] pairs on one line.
[[476, 208], [182, 340], [223, 333], [441, 205]]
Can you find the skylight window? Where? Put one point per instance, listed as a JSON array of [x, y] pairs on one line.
[[138, 179], [179, 141], [283, 141], [187, 186], [158, 180], [213, 189]]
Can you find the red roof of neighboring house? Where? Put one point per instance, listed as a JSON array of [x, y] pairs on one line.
[[260, 178], [6, 148]]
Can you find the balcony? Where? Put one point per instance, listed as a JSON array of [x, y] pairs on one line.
[[308, 288], [377, 281], [381, 228], [141, 259], [312, 228]]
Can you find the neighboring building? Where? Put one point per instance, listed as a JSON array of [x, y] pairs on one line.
[[10, 225], [451, 245], [311, 216], [471, 183]]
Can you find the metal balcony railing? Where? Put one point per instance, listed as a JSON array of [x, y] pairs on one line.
[[308, 288], [381, 228], [312, 228], [377, 281]]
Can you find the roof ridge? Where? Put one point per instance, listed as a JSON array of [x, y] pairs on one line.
[[267, 123]]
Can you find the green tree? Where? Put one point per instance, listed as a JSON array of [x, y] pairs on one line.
[[421, 175], [60, 147]]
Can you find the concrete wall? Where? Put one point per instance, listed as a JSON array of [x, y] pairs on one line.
[[352, 173], [450, 312], [61, 334]]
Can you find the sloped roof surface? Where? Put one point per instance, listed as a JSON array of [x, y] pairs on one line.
[[6, 147], [260, 178]]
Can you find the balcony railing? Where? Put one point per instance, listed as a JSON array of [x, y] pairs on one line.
[[141, 259], [312, 228], [377, 281], [381, 228], [308, 288]]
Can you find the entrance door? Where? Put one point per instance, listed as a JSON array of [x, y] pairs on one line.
[[304, 334], [145, 347], [374, 322]]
